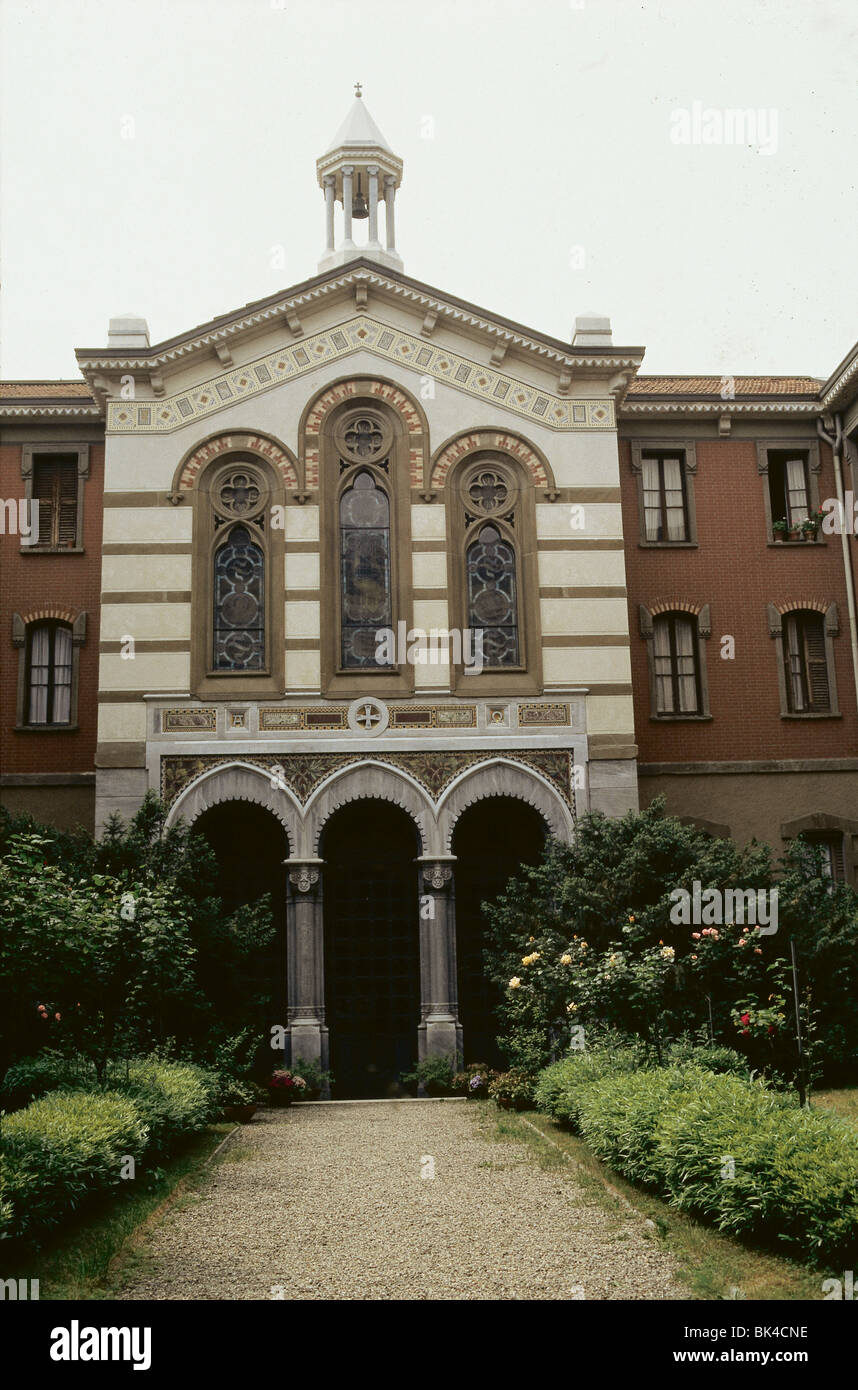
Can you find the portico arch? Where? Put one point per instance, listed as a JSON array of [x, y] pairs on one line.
[[238, 781], [500, 778]]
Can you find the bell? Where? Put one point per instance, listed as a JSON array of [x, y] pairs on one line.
[[360, 211]]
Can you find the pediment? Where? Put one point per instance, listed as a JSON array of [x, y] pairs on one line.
[[333, 346], [339, 313]]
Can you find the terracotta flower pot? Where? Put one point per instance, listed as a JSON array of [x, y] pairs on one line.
[[241, 1114]]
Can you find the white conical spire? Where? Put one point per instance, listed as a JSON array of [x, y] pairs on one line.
[[359, 162]]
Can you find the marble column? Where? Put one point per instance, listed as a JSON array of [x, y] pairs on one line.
[[308, 1034], [348, 198], [439, 1031], [389, 215], [372, 171], [330, 189]]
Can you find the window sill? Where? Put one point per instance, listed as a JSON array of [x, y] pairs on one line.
[[52, 550], [679, 718], [811, 714], [46, 728], [667, 545], [793, 545]]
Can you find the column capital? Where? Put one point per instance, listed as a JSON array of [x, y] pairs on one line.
[[437, 870], [304, 873]]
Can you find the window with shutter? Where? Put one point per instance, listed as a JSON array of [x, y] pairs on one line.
[[55, 485], [830, 848], [807, 682]]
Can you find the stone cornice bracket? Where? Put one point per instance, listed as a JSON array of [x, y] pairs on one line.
[[564, 381], [300, 497], [174, 498], [704, 621], [429, 323], [157, 382], [619, 384], [294, 323], [19, 631], [775, 621], [725, 424], [428, 496], [645, 622], [499, 353], [224, 355], [361, 294], [551, 494]]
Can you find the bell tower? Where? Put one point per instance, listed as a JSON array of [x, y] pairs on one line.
[[360, 171]]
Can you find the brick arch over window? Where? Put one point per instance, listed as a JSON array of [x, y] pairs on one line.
[[366, 388], [679, 605], [263, 446], [493, 441], [803, 605]]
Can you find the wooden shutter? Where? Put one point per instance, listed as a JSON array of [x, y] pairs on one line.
[[55, 485], [816, 664]]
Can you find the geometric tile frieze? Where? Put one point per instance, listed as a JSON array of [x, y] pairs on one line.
[[392, 345]]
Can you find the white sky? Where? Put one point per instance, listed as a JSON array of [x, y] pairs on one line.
[[552, 130]]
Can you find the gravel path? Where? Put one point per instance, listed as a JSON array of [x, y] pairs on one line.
[[329, 1203]]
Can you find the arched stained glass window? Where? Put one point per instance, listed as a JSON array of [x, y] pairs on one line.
[[239, 604], [492, 604], [364, 570]]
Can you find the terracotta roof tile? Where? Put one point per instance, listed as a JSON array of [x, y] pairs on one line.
[[43, 390], [712, 386]]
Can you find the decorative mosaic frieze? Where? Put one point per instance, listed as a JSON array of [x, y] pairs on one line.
[[174, 721], [391, 345], [306, 717], [543, 714], [434, 769]]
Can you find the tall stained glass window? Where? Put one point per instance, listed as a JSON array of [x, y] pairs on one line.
[[239, 603], [492, 605], [367, 606]]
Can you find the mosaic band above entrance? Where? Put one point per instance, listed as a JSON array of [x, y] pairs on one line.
[[302, 773]]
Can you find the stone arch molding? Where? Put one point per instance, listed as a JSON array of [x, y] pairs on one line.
[[238, 782], [370, 781], [515, 446], [500, 778]]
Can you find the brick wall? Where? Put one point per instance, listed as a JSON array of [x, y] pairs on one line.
[[738, 574], [29, 582]]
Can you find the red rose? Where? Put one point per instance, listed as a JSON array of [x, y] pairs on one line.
[[771, 1028], [745, 1030], [745, 1018]]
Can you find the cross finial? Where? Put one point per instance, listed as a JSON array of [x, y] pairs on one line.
[[358, 89]]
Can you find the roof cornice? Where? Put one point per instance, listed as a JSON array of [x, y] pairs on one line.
[[843, 381], [425, 297], [769, 405]]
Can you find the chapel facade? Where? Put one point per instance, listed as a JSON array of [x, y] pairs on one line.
[[380, 589]]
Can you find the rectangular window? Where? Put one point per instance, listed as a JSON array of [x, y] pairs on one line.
[[675, 655], [830, 848], [788, 486], [50, 676], [806, 665], [55, 484], [664, 497]]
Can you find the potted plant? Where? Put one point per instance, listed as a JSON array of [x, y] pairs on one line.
[[811, 526], [779, 529], [794, 531], [317, 1081], [284, 1087], [239, 1100], [473, 1082], [433, 1076], [512, 1090]]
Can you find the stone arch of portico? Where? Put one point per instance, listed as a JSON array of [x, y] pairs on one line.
[[238, 782], [499, 778], [369, 781]]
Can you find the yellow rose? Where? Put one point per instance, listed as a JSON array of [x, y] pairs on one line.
[[515, 982], [571, 1008], [566, 959]]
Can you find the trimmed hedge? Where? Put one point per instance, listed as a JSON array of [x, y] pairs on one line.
[[173, 1098], [68, 1144], [62, 1148], [33, 1077], [726, 1148]]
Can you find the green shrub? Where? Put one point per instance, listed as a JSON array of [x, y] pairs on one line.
[[718, 1059], [794, 1171], [619, 1117], [435, 1073], [62, 1148], [560, 1088], [32, 1077], [174, 1098]]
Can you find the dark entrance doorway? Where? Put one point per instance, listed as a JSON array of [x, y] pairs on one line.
[[372, 947], [248, 986], [492, 839]]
